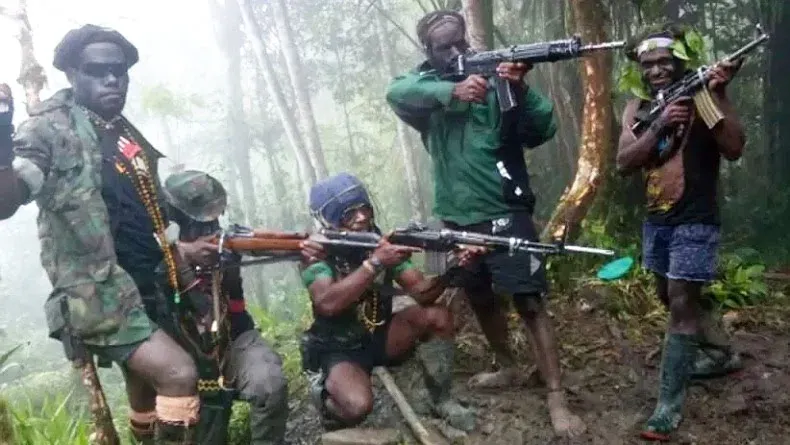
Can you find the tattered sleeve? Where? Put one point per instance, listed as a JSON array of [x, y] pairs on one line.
[[33, 155]]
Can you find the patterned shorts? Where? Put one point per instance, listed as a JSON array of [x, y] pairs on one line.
[[681, 252]]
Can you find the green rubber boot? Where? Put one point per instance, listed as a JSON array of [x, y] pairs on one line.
[[436, 359], [676, 367], [715, 356]]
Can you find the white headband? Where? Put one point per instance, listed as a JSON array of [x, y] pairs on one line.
[[654, 43]]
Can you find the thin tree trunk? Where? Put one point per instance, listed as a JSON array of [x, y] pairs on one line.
[[590, 19], [416, 202], [306, 171], [31, 73], [479, 15], [276, 176], [296, 75]]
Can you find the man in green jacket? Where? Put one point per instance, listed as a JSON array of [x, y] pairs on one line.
[[482, 185]]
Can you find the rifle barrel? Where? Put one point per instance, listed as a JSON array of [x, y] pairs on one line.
[[594, 250], [603, 46]]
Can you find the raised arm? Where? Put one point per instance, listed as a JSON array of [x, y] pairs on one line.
[[414, 96], [24, 164], [728, 133]]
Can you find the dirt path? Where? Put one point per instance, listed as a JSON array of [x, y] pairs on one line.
[[611, 376]]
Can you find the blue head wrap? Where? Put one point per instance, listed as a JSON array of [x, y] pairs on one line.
[[331, 197]]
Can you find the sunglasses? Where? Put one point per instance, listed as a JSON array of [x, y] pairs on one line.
[[348, 214], [102, 70]]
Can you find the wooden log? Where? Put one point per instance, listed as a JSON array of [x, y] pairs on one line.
[[423, 435]]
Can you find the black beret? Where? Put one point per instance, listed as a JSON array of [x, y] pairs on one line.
[[68, 50]]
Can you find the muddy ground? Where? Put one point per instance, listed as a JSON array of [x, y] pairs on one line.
[[611, 366]]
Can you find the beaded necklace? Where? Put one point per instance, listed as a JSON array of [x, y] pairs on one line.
[[140, 175]]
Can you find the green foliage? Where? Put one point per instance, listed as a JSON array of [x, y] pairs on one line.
[[53, 423], [741, 282], [283, 328], [239, 428], [4, 357]]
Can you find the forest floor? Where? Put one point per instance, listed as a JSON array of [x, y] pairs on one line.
[[611, 371]]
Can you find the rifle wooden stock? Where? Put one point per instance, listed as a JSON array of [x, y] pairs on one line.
[[259, 241]]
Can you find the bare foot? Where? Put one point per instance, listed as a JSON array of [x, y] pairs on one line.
[[499, 379], [565, 423]]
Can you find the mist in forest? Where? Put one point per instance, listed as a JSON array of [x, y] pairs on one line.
[[278, 94]]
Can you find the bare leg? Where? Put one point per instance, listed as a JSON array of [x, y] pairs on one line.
[[142, 402], [436, 355], [170, 371], [533, 311], [350, 397], [493, 323]]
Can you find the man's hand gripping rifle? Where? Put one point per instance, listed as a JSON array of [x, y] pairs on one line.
[[690, 85], [485, 63]]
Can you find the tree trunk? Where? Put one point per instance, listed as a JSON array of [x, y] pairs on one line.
[[306, 170], [590, 19], [479, 15], [777, 94], [296, 75], [31, 73], [286, 218], [416, 203]]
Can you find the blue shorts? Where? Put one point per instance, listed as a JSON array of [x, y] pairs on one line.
[[681, 252]]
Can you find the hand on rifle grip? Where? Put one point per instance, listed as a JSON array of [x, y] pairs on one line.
[[678, 112], [471, 89], [467, 254], [312, 250], [391, 255], [514, 72]]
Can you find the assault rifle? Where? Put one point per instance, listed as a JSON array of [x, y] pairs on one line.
[[485, 63], [280, 246], [275, 246], [691, 84]]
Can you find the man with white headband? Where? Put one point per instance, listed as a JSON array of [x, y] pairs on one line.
[[680, 153]]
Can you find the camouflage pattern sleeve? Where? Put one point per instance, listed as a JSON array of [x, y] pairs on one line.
[[33, 154]]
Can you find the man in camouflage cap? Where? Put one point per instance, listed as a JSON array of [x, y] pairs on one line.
[[101, 225], [196, 201]]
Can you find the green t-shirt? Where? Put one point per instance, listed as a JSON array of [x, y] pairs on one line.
[[465, 140], [322, 269]]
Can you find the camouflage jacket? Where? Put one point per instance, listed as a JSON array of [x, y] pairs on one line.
[[58, 156]]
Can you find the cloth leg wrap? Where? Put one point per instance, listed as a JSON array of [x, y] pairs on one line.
[[176, 418], [141, 425]]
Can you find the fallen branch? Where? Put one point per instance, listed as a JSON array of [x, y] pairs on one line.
[[423, 435]]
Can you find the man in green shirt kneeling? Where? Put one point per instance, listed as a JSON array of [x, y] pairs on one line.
[[355, 328]]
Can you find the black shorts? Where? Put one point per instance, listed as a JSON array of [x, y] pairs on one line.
[[521, 275]]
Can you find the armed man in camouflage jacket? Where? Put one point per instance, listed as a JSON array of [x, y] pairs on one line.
[[101, 225]]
